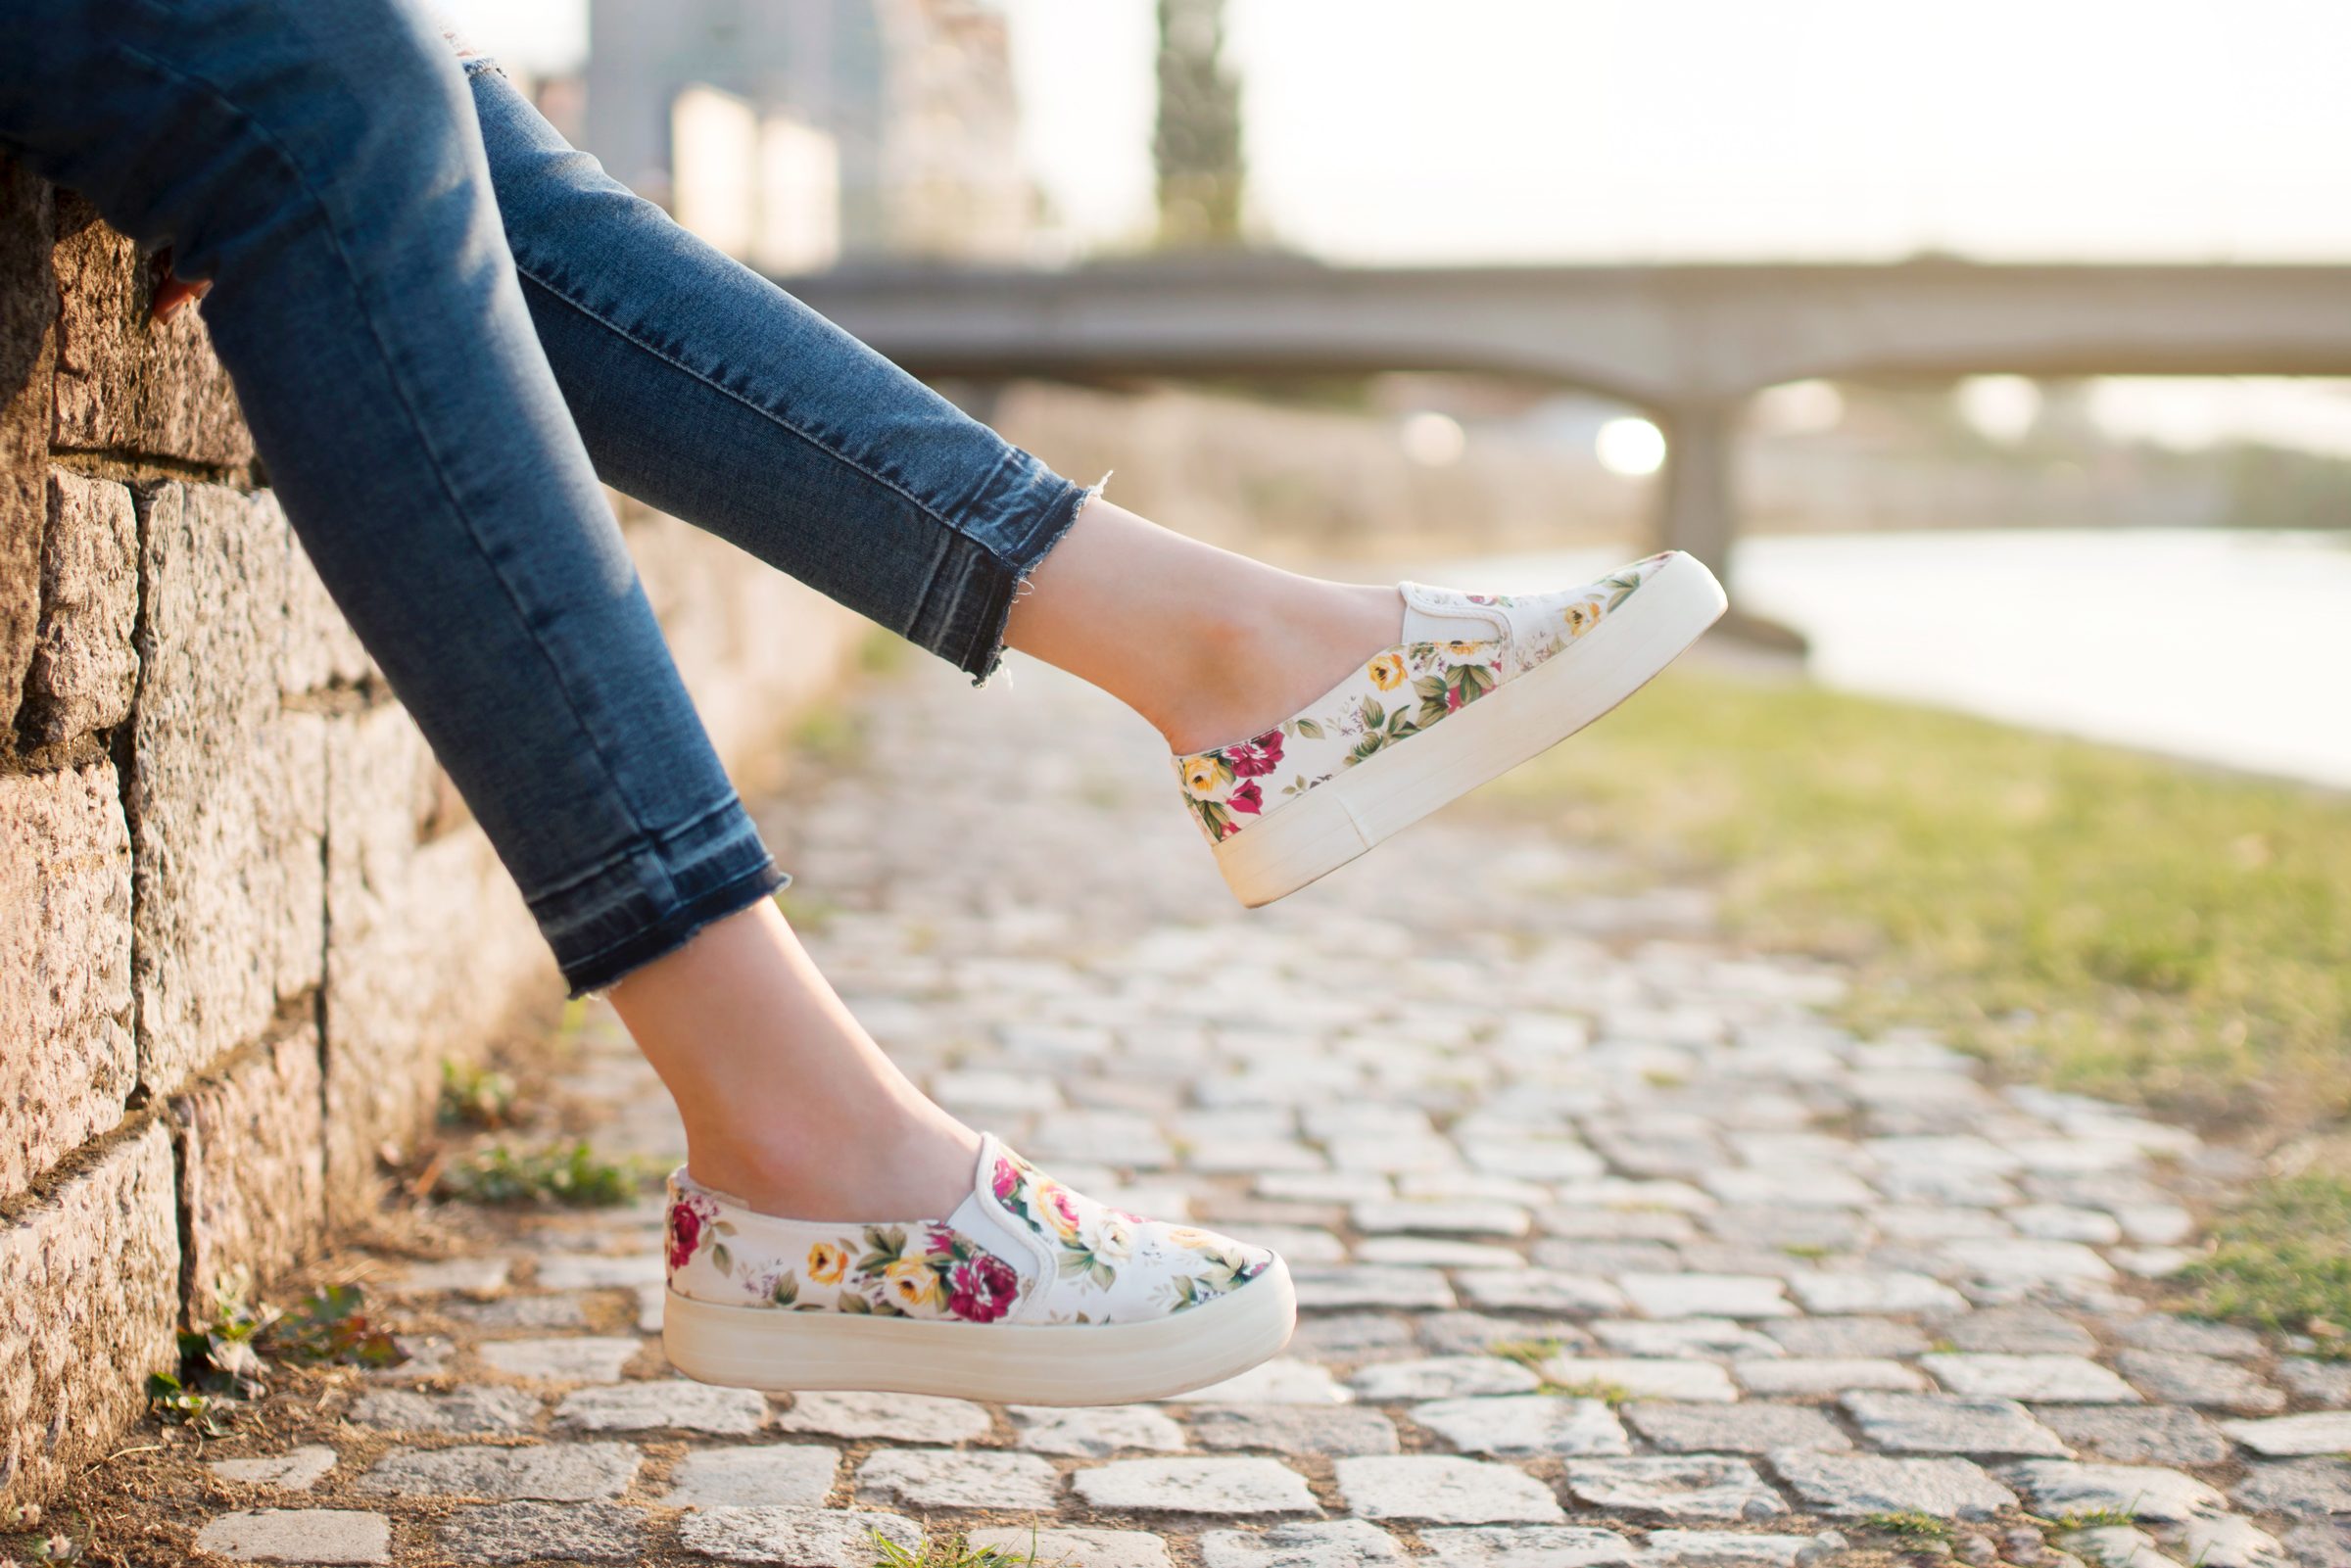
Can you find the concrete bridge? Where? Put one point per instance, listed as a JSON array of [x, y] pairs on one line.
[[1686, 343]]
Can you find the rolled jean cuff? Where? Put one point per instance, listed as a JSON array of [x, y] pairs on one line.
[[1011, 525], [654, 897]]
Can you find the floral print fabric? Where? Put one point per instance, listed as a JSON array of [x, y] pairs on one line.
[[921, 1270], [1023, 1248], [1398, 693], [1111, 1267]]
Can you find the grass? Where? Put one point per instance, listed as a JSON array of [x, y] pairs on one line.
[[1616, 1396], [2101, 919], [2092, 1519], [2084, 917], [224, 1359], [1535, 1355], [2283, 1259], [571, 1173], [1909, 1524], [475, 1096], [949, 1550]]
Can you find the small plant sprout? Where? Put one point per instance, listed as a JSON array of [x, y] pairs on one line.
[[1909, 1524], [475, 1096], [949, 1550], [568, 1173]]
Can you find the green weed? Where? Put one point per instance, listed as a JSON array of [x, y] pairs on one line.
[[572, 1174]]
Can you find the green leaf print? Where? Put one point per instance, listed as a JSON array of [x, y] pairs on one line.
[[1307, 729], [722, 1259], [884, 1245]]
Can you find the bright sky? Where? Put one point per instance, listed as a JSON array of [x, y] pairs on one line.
[[1398, 130], [1523, 130]]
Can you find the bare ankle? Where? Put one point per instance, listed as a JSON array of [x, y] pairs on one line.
[[897, 1168], [1251, 666]]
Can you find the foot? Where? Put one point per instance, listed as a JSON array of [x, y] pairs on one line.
[[1398, 735], [1027, 1292]]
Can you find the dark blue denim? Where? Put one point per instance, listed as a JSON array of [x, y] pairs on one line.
[[444, 325]]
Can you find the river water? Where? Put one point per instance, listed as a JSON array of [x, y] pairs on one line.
[[2225, 646]]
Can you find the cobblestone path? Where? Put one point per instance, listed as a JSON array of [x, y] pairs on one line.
[[1613, 1248]]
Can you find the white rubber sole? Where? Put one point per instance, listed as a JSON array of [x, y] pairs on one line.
[[1106, 1363], [1331, 824]]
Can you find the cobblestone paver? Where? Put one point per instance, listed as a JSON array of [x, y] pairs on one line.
[[1614, 1248]]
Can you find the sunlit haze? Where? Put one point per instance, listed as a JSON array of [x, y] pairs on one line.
[[1508, 129]]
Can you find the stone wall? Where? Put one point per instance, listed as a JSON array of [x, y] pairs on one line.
[[243, 915]]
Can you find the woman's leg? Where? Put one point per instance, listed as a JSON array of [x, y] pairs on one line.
[[706, 391], [320, 164]]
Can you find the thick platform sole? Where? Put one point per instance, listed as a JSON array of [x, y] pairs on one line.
[[1331, 824], [1108, 1363]]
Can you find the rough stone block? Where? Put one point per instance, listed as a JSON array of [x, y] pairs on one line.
[[1439, 1489], [64, 965], [28, 308], [1698, 1485], [90, 1288], [1852, 1485], [83, 668], [934, 1479], [295, 1470], [252, 1162], [558, 1472], [128, 385], [761, 1475], [891, 1417], [321, 651], [539, 1532], [227, 800], [430, 947], [1096, 1433], [1331, 1544], [582, 1358], [1524, 1425], [1336, 1429], [1195, 1485], [316, 1536], [813, 1538], [667, 1404], [463, 1411], [1077, 1549]]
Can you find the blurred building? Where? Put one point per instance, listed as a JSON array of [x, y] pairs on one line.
[[796, 134]]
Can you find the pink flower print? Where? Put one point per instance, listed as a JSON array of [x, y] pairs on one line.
[[1254, 759], [686, 1217], [1006, 1179], [1248, 797], [1453, 704], [940, 1243], [1061, 1212], [982, 1289]]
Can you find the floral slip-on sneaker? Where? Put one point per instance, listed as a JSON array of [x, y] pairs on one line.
[[1476, 684], [1027, 1293]]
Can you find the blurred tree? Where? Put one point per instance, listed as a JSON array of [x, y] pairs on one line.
[[1197, 145]]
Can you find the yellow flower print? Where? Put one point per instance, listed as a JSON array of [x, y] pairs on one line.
[[1200, 775], [1115, 1239], [1463, 646], [826, 1262], [1386, 671], [1581, 618], [911, 1282]]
